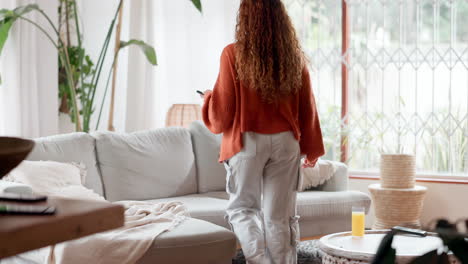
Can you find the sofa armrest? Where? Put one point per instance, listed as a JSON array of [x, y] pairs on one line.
[[339, 181]]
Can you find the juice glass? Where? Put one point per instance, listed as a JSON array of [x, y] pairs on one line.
[[358, 221]]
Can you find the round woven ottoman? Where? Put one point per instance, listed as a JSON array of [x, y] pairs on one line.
[[342, 248], [397, 206]]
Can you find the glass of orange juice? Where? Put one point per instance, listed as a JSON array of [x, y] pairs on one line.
[[358, 221]]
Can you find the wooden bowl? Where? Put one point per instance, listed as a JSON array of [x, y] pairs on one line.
[[12, 152]]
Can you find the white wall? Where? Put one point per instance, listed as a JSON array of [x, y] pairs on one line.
[[443, 200]]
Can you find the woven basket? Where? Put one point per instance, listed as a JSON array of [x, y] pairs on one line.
[[397, 206], [397, 171], [183, 115]]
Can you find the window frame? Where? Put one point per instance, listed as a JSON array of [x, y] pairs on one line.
[[420, 177], [344, 142]]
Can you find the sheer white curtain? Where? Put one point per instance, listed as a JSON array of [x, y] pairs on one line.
[[188, 46], [28, 65], [141, 76]]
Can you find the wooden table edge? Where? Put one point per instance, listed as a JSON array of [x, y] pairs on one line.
[[65, 227]]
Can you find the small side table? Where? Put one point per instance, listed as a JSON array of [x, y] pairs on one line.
[[397, 206], [73, 219], [341, 248]]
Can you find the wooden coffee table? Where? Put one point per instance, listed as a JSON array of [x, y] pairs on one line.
[[343, 248], [73, 219]]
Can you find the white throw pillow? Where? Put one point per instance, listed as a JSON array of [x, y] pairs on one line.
[[54, 179], [318, 175]]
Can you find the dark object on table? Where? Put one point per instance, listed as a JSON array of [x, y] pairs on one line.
[[411, 231], [13, 209], [12, 152], [454, 241], [22, 198]]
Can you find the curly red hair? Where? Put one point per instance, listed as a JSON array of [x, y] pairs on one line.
[[269, 56]]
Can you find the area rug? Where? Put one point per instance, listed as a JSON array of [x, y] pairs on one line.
[[307, 253]]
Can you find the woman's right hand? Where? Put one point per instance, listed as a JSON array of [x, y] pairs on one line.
[[205, 93], [308, 164]]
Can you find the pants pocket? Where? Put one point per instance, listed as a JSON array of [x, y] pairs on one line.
[[299, 184], [226, 218], [230, 188], [294, 228]]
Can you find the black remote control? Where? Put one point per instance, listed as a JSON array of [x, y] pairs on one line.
[[412, 231], [22, 198]]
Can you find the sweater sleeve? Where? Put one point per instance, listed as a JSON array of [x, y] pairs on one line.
[[219, 107], [311, 141]]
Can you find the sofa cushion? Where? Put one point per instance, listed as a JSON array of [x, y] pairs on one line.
[[146, 165], [74, 147], [193, 241], [311, 206], [211, 174], [326, 205], [324, 226]]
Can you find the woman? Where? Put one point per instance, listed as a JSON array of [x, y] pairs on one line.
[[263, 104]]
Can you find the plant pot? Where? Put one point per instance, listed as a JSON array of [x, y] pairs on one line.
[[397, 171]]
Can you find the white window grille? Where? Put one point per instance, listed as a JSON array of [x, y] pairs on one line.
[[408, 79]]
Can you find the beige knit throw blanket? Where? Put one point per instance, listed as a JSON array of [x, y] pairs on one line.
[[144, 221]]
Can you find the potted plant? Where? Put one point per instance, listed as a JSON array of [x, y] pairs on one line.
[[79, 76]]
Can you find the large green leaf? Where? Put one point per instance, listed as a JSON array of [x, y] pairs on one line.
[[5, 14], [21, 10], [197, 4], [149, 51], [7, 18], [5, 27]]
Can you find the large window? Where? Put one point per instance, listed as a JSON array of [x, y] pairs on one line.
[[404, 78]]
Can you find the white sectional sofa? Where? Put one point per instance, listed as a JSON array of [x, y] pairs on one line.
[[177, 164]]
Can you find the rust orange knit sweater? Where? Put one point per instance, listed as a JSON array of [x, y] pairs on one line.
[[233, 108]]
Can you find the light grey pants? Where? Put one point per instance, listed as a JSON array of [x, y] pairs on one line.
[[268, 167]]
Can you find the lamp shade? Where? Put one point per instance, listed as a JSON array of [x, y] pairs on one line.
[[183, 115]]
